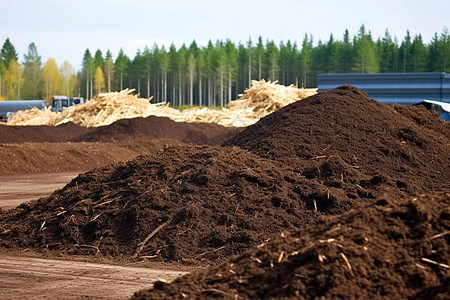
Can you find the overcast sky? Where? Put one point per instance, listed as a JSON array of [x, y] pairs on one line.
[[64, 29]]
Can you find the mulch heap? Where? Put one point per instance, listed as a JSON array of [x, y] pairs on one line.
[[125, 129], [358, 148], [324, 155], [391, 249]]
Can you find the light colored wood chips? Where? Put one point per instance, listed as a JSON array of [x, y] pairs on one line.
[[261, 99]]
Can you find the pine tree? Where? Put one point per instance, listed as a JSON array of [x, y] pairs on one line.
[[231, 68], [88, 70], [121, 66], [419, 53], [444, 49], [346, 54], [32, 74], [273, 57], [98, 59], [305, 60], [434, 64], [109, 70], [259, 55], [366, 60], [388, 53], [8, 53], [405, 54]]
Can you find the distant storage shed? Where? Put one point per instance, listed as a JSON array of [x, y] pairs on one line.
[[401, 88]]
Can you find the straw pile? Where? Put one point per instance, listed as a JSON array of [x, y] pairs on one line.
[[261, 99]]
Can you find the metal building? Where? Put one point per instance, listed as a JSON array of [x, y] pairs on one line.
[[401, 88]]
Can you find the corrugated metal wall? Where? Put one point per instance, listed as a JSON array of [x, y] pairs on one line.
[[402, 88]]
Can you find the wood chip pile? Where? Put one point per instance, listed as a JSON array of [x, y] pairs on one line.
[[265, 97], [261, 99]]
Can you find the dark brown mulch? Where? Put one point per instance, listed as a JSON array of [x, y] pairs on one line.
[[391, 249], [149, 128], [324, 155], [349, 141], [213, 202]]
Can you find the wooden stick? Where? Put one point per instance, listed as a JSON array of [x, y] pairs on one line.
[[439, 235], [348, 264], [435, 263], [142, 244]]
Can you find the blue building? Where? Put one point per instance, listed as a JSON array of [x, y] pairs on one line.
[[429, 89], [401, 88]]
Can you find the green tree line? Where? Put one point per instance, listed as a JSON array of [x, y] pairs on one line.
[[214, 74]]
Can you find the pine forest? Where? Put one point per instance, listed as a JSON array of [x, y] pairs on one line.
[[216, 73]]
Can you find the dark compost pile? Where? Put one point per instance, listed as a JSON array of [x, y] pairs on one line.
[[324, 155], [391, 249]]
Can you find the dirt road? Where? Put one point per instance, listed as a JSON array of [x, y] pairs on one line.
[[21, 188], [38, 278], [24, 277]]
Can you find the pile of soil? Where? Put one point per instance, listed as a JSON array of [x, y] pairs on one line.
[[323, 155], [349, 141], [206, 203], [126, 129], [391, 249], [70, 147]]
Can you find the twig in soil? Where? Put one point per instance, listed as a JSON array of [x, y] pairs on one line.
[[61, 212], [319, 157], [95, 218], [90, 246], [348, 264], [208, 252], [148, 256], [435, 263], [42, 225], [103, 203], [215, 291], [315, 205], [142, 244], [439, 235]]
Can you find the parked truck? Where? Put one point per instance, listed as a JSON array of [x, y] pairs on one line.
[[9, 107], [59, 102]]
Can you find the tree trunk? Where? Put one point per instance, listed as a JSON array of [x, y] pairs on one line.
[[87, 85], [200, 100], [229, 86], [148, 85], [191, 88], [249, 71], [221, 89], [92, 83], [180, 97], [165, 86], [259, 67], [139, 83]]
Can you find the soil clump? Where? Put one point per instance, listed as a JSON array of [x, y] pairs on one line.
[[391, 249]]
